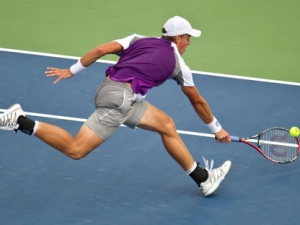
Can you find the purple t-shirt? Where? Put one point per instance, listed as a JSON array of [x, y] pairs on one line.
[[148, 62]]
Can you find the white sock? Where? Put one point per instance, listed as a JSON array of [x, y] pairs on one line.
[[192, 169], [35, 127]]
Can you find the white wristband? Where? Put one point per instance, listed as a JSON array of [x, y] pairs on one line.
[[77, 67], [214, 126]]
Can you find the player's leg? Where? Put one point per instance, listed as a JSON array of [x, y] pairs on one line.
[[113, 105], [208, 179], [158, 121], [75, 147]]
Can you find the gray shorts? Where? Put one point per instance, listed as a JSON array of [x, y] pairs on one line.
[[114, 106]]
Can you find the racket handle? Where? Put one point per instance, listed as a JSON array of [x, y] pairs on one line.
[[235, 139]]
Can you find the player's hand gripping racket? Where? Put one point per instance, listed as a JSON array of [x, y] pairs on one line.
[[276, 144]]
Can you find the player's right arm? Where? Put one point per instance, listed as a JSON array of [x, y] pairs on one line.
[[204, 112]]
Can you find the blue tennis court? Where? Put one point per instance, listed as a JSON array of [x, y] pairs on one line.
[[131, 179]]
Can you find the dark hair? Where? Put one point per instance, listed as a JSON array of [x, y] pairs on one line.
[[170, 38]]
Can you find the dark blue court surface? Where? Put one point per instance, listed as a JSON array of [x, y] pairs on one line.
[[131, 179]]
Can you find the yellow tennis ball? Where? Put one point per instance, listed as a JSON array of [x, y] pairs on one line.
[[294, 131]]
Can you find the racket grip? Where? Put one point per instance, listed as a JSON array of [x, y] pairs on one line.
[[235, 138]]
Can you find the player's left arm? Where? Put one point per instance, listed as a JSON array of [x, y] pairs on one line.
[[90, 57], [96, 53], [202, 108]]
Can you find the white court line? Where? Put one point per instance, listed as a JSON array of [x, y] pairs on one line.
[[76, 119], [193, 71], [112, 62]]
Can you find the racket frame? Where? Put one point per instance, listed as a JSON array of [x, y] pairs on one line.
[[246, 140]]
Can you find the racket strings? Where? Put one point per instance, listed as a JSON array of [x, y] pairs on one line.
[[278, 145]]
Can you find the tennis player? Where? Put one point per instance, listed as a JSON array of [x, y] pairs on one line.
[[144, 63]]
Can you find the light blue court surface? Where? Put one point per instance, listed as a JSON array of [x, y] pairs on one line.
[[131, 180]]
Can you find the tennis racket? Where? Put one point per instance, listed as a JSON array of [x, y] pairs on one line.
[[276, 144]]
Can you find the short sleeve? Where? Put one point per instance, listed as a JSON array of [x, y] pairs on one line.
[[187, 76], [127, 41], [182, 73]]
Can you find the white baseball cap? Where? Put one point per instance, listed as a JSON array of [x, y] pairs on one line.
[[178, 26]]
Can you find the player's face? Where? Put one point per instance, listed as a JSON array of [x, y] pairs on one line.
[[182, 42]]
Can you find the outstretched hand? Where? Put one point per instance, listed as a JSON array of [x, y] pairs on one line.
[[60, 73]]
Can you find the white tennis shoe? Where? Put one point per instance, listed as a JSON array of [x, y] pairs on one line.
[[215, 176], [8, 119]]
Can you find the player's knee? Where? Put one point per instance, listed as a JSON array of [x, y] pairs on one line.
[[168, 125], [76, 152], [76, 156]]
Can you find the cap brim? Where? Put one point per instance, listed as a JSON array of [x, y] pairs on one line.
[[195, 33]]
